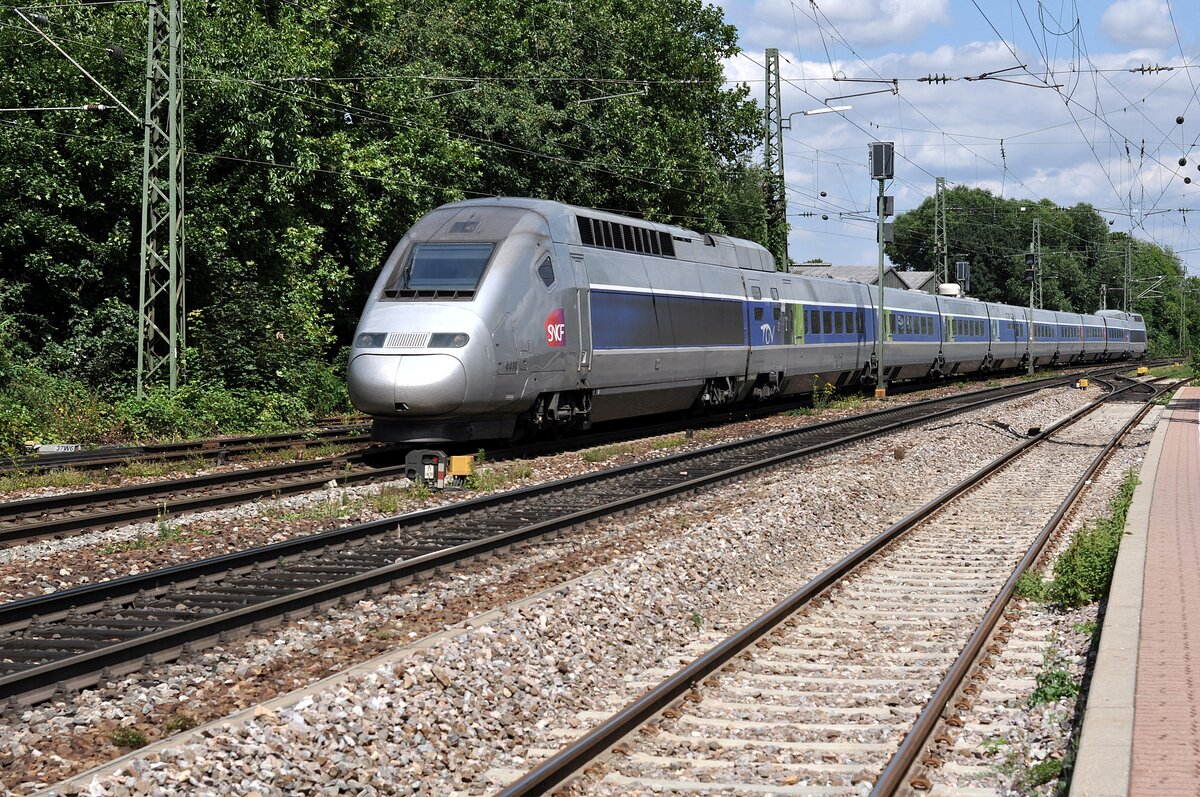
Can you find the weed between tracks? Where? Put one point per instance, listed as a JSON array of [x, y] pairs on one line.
[[611, 452], [297, 453], [1081, 576], [138, 469], [129, 737], [34, 480], [1054, 682], [1084, 570]]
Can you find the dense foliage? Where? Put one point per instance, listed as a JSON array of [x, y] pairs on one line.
[[315, 134], [1079, 254]]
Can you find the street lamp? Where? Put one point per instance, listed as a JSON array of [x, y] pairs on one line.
[[773, 159], [787, 122]]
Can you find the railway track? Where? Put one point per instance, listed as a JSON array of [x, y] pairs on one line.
[[328, 431], [219, 449], [71, 638], [860, 678], [72, 513], [68, 513]]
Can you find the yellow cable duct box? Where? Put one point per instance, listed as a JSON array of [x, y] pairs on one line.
[[461, 466]]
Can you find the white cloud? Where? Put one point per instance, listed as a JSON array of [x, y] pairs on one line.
[[1139, 23], [860, 22], [1107, 137]]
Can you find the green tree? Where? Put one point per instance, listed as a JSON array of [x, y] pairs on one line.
[[1079, 255], [316, 134]]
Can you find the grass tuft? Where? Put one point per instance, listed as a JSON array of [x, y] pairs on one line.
[[1084, 571], [129, 737]]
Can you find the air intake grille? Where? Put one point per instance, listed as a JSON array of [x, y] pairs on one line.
[[406, 340], [626, 237]]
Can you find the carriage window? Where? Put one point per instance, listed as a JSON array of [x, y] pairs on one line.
[[758, 314], [756, 291], [860, 322], [892, 324], [837, 323], [828, 322], [546, 272], [774, 293], [775, 311]]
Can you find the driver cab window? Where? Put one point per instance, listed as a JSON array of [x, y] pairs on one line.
[[546, 272]]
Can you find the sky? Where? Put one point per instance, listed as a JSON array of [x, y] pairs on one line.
[[1058, 114]]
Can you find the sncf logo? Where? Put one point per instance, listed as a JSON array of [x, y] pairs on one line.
[[556, 329]]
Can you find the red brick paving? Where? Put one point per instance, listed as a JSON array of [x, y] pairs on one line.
[[1166, 725]]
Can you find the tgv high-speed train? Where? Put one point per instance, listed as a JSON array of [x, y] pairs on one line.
[[497, 316]]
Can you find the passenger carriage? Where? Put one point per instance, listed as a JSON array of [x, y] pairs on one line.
[[966, 335], [1044, 337]]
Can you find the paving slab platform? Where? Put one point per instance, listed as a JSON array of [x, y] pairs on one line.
[[1141, 730]]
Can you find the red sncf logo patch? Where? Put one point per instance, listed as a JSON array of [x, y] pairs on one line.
[[556, 329]]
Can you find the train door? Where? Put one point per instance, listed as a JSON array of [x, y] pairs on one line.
[[579, 310], [760, 326], [866, 324]]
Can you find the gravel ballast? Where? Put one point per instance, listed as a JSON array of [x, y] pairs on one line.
[[437, 719]]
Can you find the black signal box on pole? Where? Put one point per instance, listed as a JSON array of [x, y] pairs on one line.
[[882, 160]]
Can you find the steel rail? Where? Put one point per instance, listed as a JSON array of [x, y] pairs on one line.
[[573, 758], [61, 601], [329, 469], [898, 769], [81, 669], [160, 501], [217, 447]]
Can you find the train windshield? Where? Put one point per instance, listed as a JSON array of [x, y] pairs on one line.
[[446, 267]]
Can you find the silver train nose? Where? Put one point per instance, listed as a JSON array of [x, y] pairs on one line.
[[407, 384]]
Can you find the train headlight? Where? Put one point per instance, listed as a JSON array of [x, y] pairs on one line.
[[370, 340], [448, 340]]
